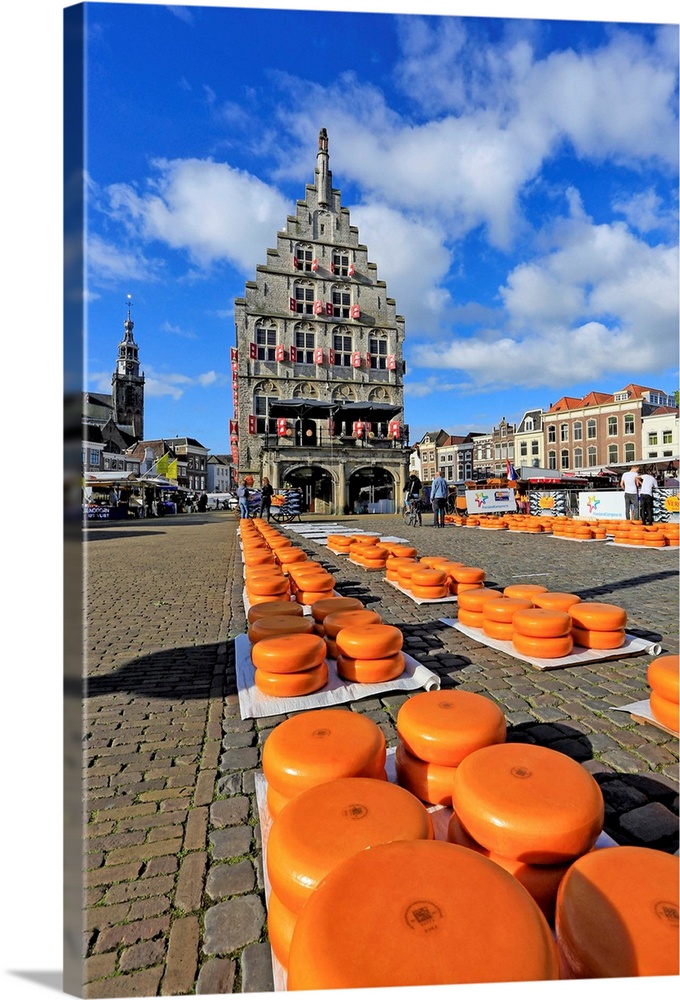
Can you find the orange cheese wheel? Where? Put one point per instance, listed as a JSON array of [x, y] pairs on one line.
[[475, 598], [540, 881], [259, 557], [617, 915], [321, 745], [319, 579], [525, 591], [432, 783], [544, 623], [280, 926], [329, 823], [406, 551], [528, 802], [445, 726], [598, 617], [591, 639], [331, 648], [276, 801], [370, 671], [557, 599], [385, 918], [271, 625], [393, 562], [543, 647], [501, 609], [257, 599], [292, 685], [330, 604], [428, 577], [662, 676], [290, 554], [468, 574], [497, 630], [406, 570], [429, 593], [267, 585], [475, 619], [370, 642], [664, 711], [274, 608], [344, 619], [287, 654], [309, 597]]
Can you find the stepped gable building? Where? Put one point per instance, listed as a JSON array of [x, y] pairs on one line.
[[317, 369], [113, 422]]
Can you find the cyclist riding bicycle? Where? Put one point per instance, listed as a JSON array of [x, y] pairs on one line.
[[412, 495]]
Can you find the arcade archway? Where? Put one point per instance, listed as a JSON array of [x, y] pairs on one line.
[[371, 490], [316, 484]]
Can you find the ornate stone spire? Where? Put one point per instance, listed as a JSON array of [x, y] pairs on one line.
[[323, 174]]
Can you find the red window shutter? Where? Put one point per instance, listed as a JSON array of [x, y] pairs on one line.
[[315, 265], [356, 359], [355, 312], [233, 426], [291, 302], [318, 307], [252, 424], [358, 428], [395, 429], [329, 308], [351, 270], [253, 350], [332, 267], [293, 354], [279, 353], [296, 263], [391, 362], [234, 366], [331, 357], [368, 358], [281, 426], [234, 354], [318, 355]]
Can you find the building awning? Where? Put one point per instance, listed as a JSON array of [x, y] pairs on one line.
[[108, 478], [313, 408]]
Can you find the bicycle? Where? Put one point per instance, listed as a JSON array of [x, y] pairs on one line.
[[412, 512]]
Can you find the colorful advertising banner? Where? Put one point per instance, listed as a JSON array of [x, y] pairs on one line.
[[490, 500], [548, 503]]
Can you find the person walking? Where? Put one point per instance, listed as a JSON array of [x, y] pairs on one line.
[[630, 483], [266, 494], [438, 496], [648, 486]]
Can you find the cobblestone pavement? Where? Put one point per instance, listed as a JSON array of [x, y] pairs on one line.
[[174, 897]]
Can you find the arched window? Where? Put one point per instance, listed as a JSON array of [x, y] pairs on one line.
[[552, 433], [340, 262], [592, 457], [591, 428], [629, 452], [564, 432], [613, 454], [305, 390], [343, 346], [303, 293], [578, 458], [564, 458], [377, 348], [305, 342], [629, 423], [341, 299], [577, 430], [303, 257], [552, 460], [263, 394], [612, 426], [265, 339]]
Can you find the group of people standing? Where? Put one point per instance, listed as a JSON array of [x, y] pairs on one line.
[[244, 491], [439, 494], [638, 491]]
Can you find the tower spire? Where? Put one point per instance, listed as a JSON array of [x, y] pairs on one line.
[[323, 174]]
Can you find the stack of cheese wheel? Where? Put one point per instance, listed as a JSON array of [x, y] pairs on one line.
[[497, 616], [418, 913], [405, 569], [392, 564], [322, 827], [317, 746], [286, 555], [266, 583], [369, 654], [617, 915], [466, 578], [544, 633], [290, 665], [528, 804], [257, 611], [311, 584], [370, 556], [338, 620], [540, 881], [558, 600], [448, 566], [268, 626], [662, 677], [401, 550], [330, 604], [671, 532], [471, 603], [429, 584], [436, 730], [339, 544], [598, 626]]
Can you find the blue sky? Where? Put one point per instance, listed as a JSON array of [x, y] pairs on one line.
[[515, 181]]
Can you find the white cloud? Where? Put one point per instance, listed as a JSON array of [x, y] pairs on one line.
[[108, 263], [207, 209], [645, 212]]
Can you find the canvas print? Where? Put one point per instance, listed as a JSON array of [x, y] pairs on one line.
[[334, 279]]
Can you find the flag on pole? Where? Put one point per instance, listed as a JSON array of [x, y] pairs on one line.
[[172, 469], [162, 465], [510, 472]]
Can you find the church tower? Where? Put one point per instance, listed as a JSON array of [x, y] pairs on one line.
[[128, 383]]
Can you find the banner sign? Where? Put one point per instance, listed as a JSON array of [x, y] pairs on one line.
[[490, 500]]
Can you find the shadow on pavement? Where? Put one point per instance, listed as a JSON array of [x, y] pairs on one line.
[[182, 672]]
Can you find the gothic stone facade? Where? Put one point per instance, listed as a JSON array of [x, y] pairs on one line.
[[318, 324]]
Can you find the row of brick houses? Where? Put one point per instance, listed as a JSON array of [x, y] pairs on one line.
[[573, 436]]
